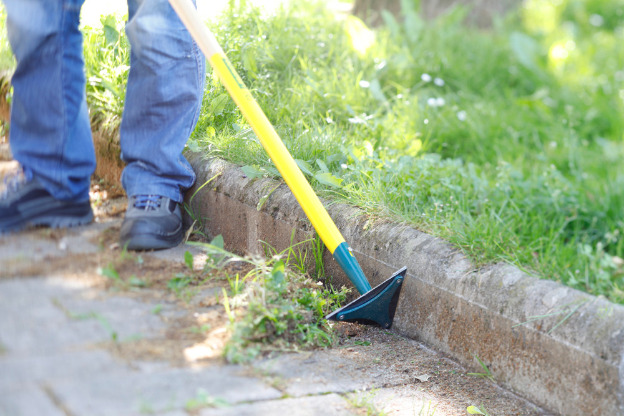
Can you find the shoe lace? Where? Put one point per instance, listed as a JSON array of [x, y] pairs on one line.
[[147, 202]]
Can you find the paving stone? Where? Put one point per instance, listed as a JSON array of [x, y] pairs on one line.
[[176, 254], [133, 392], [27, 401], [408, 400], [72, 365], [326, 405], [46, 318], [31, 320], [316, 373], [20, 249], [123, 316]]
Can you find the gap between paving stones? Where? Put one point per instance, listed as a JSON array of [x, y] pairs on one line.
[[571, 362]]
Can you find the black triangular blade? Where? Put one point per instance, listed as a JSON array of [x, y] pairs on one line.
[[375, 307]]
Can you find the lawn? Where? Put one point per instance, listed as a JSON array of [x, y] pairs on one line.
[[506, 142]]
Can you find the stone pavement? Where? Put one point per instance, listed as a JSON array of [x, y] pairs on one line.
[[73, 346]]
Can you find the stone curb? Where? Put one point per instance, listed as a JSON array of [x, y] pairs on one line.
[[570, 362]]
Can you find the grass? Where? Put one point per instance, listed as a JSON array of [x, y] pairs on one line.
[[7, 62], [488, 139], [505, 142], [107, 63]]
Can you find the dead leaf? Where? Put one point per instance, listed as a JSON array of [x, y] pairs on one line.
[[423, 378]]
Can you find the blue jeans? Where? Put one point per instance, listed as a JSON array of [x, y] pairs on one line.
[[50, 130]]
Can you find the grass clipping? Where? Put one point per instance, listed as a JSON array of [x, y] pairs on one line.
[[274, 305]]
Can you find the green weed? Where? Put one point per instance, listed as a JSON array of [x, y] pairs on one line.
[[474, 410], [202, 400], [198, 225], [427, 410], [202, 329], [568, 310], [111, 272], [274, 306], [486, 371], [88, 315], [363, 402]]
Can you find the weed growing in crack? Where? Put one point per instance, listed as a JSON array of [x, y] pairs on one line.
[[203, 399], [364, 402], [427, 410], [88, 315], [275, 305], [198, 225], [486, 371], [119, 283]]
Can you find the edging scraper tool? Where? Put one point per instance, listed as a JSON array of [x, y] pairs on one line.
[[375, 305]]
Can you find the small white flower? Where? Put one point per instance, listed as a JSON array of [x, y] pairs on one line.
[[364, 84], [431, 102], [461, 115], [439, 82], [426, 121], [344, 165], [440, 102], [425, 77]]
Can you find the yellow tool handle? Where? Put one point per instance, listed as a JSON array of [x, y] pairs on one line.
[[269, 138]]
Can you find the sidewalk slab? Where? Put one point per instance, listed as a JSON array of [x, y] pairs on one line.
[[132, 392], [326, 405], [572, 365], [31, 400], [51, 306]]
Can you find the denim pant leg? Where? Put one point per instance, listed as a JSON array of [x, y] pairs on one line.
[[50, 130], [163, 99]]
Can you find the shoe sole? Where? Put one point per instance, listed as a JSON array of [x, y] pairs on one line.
[[63, 222], [143, 242], [52, 220]]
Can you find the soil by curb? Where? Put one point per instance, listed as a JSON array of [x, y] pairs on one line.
[[558, 347]]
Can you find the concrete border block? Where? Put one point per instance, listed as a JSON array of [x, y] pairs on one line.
[[570, 361]]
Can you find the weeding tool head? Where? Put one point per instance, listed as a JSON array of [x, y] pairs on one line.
[[377, 306]]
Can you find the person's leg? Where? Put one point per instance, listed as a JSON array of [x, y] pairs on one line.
[[163, 100], [50, 132]]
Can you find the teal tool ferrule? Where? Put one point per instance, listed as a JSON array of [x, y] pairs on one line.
[[351, 267]]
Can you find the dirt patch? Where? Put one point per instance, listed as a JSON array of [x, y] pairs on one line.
[[400, 361], [188, 339], [197, 332], [109, 165]]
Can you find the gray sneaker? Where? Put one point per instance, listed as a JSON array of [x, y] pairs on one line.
[[24, 204], [152, 222]]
